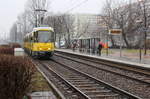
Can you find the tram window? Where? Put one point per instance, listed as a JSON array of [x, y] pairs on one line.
[[45, 36]]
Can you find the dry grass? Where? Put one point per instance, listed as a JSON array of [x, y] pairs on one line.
[[38, 83]]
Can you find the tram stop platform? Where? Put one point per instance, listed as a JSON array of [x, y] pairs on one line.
[[126, 58]]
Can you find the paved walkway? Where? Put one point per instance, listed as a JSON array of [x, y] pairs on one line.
[[130, 56], [125, 56]]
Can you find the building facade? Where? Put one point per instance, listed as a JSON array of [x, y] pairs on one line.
[[88, 26]]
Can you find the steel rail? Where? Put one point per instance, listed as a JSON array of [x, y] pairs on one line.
[[54, 88], [131, 67], [67, 82], [115, 89], [139, 80]]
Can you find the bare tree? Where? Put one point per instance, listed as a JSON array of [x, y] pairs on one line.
[[124, 17], [81, 25], [107, 17], [63, 27], [13, 33], [144, 5], [32, 6], [21, 26], [55, 21], [68, 28], [29, 18]]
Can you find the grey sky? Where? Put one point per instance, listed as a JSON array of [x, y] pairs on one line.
[[10, 9], [90, 6]]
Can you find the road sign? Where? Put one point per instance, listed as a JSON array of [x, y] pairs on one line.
[[115, 31]]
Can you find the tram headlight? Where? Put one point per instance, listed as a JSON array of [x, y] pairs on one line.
[[40, 48], [49, 48]]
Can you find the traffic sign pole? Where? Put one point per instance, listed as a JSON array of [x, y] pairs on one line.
[[121, 45], [119, 33]]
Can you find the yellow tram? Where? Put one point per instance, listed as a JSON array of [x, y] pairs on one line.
[[40, 42]]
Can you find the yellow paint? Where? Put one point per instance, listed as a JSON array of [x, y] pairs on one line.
[[43, 47], [33, 46], [39, 46]]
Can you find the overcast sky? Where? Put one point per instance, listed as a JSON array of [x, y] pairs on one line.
[[82, 6], [10, 9]]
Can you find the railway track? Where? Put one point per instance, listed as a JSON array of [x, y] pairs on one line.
[[141, 76], [119, 65], [132, 79], [79, 85]]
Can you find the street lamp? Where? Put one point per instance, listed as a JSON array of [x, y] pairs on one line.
[[145, 25]]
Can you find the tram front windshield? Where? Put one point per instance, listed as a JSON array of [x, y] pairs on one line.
[[45, 36]]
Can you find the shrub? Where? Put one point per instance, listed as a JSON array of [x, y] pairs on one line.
[[5, 45], [6, 50], [15, 76], [15, 45], [9, 49]]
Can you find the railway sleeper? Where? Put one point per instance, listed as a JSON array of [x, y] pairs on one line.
[[69, 91], [148, 80], [75, 78], [92, 88], [79, 80], [57, 80], [97, 91], [63, 85], [109, 96], [80, 83], [87, 85], [74, 96], [66, 88]]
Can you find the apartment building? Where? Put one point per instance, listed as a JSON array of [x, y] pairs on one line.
[[88, 26]]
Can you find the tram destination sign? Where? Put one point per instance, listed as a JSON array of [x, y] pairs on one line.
[[115, 31]]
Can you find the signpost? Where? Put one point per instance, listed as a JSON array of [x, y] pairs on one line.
[[117, 32], [140, 50]]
